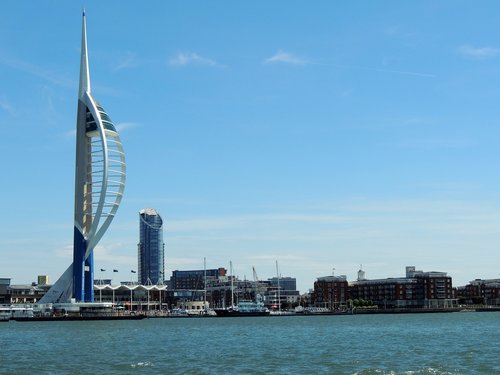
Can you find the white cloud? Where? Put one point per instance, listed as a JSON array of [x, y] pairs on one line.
[[64, 252], [392, 30], [126, 125], [70, 133], [276, 256], [479, 53], [54, 78], [129, 61], [285, 57], [103, 253], [346, 93], [114, 253], [242, 221], [191, 58], [404, 72], [436, 143], [184, 262], [7, 107]]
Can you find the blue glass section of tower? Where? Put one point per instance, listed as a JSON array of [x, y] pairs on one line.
[[83, 269]]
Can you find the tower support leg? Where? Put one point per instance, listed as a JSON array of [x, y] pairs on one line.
[[89, 278], [79, 247]]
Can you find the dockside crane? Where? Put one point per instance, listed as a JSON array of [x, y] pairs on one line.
[[258, 296]]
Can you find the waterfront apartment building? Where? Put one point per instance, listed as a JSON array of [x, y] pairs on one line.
[[386, 293], [151, 249], [195, 279], [417, 289], [480, 291], [330, 292]]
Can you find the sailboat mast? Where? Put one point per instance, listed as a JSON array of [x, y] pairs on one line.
[[232, 283], [205, 283], [279, 295]]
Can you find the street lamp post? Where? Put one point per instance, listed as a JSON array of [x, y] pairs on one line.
[[131, 300], [160, 283], [131, 290], [113, 288], [100, 285]]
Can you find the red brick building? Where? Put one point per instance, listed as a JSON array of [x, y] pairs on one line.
[[480, 292], [417, 289], [386, 293], [330, 292]]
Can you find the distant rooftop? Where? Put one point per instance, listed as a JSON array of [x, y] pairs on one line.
[[148, 211]]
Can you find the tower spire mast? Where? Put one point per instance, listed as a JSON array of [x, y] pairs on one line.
[[84, 62]]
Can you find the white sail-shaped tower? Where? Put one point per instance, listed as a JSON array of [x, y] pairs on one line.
[[99, 185]]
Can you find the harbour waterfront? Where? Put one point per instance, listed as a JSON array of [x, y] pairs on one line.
[[455, 343]]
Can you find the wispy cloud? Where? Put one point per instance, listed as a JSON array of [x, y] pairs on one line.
[[64, 252], [478, 53], [50, 110], [70, 133], [392, 30], [286, 58], [273, 257], [191, 262], [191, 58], [126, 125], [346, 93], [7, 107], [110, 252], [129, 61], [113, 253], [403, 72], [436, 143], [289, 58], [383, 70], [398, 31], [55, 78], [215, 223]]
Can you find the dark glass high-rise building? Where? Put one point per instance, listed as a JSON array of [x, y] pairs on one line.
[[151, 249]]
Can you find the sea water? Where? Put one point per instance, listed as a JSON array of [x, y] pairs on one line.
[[446, 343]]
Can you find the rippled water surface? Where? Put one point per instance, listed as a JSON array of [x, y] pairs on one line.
[[456, 343]]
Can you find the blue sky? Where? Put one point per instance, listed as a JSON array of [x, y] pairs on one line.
[[323, 135]]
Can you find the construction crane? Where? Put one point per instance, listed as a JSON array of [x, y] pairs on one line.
[[258, 297]]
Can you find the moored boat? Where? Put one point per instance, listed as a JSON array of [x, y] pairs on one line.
[[244, 308]]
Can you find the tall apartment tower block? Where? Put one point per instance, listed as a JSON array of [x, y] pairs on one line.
[[151, 249]]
